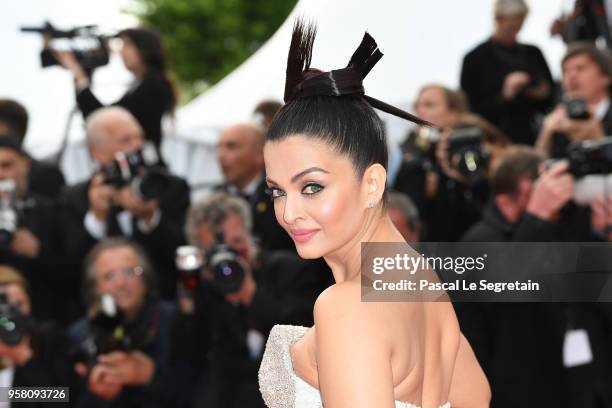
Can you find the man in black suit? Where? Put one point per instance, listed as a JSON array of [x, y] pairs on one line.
[[45, 179], [240, 154], [278, 288], [521, 346], [29, 233], [94, 209]]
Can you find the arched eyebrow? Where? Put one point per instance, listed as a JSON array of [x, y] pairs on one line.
[[300, 174]]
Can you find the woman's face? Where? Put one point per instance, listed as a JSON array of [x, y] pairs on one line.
[[131, 56], [317, 197], [432, 106]]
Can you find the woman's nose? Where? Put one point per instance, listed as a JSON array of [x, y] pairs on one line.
[[292, 209]]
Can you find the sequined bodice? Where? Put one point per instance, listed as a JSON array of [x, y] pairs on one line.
[[279, 385]]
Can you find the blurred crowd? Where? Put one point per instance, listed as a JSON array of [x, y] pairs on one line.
[[122, 289]]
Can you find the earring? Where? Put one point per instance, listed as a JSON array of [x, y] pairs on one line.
[[372, 203]]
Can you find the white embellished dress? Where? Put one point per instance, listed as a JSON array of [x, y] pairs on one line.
[[279, 385]]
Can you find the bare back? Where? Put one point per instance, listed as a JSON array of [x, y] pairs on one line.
[[426, 348]]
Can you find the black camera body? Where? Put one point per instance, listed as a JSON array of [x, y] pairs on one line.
[[467, 153], [139, 170], [109, 331], [9, 213], [590, 157], [576, 108], [14, 324], [90, 58], [221, 260]]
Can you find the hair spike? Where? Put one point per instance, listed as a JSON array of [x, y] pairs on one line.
[[365, 56], [300, 54]]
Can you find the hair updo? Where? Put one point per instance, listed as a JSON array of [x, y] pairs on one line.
[[347, 124], [331, 106]]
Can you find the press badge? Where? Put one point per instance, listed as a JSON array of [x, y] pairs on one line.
[[576, 348]]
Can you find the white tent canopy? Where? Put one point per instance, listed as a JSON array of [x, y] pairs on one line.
[[423, 42]]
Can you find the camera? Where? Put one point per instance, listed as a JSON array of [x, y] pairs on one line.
[[139, 170], [90, 49], [14, 325], [467, 153], [9, 215], [220, 260], [109, 331], [590, 157], [577, 108]]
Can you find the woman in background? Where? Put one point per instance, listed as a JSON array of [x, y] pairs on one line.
[[151, 95]]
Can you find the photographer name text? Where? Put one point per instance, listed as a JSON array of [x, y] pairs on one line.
[[457, 285]]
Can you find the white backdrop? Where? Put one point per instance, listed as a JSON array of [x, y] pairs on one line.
[[422, 42]]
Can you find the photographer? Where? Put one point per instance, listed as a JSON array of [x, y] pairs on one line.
[[521, 345], [586, 113], [442, 107], [141, 369], [458, 193], [276, 288], [44, 178], [31, 354], [507, 82], [152, 93], [29, 234], [108, 205]]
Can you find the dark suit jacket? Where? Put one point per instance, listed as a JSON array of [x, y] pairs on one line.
[[287, 288], [169, 387], [520, 345], [160, 243], [45, 179], [50, 366], [46, 274], [148, 102]]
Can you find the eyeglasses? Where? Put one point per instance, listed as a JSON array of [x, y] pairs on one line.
[[127, 273]]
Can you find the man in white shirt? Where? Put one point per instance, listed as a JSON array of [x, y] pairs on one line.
[[96, 209]]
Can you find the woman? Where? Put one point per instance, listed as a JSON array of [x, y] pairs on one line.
[[325, 157], [151, 95]]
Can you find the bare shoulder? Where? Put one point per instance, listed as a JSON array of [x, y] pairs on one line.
[[343, 301], [348, 338]]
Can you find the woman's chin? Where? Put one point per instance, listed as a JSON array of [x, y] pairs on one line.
[[308, 253]]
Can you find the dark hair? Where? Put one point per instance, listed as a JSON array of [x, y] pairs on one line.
[[347, 124], [331, 106], [150, 46], [15, 116], [515, 163], [601, 58]]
